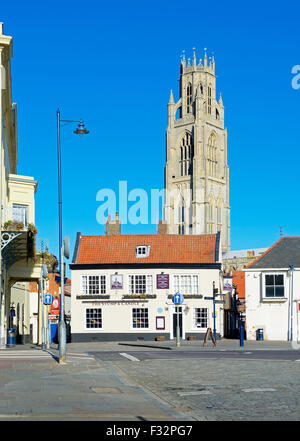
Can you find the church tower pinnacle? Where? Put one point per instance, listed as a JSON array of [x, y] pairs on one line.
[[196, 170]]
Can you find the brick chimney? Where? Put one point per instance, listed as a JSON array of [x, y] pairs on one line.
[[113, 228], [162, 227]]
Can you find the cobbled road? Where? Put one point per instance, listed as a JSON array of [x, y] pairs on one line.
[[217, 386]]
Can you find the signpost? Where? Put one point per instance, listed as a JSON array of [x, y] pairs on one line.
[[213, 298], [177, 300], [48, 298]]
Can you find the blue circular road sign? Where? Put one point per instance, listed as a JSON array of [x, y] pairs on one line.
[[178, 298], [48, 299]]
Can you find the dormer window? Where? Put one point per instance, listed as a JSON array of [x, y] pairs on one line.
[[142, 251]]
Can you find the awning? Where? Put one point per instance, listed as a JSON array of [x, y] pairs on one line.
[[15, 245]]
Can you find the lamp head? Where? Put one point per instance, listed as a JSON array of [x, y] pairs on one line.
[[81, 130]]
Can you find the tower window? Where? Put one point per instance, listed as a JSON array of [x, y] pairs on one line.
[[210, 219], [219, 215], [189, 98], [209, 101], [186, 153], [212, 155]]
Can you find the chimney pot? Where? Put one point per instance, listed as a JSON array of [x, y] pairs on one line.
[[162, 227]]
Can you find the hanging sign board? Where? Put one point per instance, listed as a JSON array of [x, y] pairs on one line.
[[227, 284], [162, 281]]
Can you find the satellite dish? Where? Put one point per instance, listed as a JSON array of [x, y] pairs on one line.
[[67, 247]]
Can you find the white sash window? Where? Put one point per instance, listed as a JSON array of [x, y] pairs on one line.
[[93, 285], [186, 283], [140, 284]]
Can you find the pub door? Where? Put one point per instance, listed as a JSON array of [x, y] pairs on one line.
[[175, 315]]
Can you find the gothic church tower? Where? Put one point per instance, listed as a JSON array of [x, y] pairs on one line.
[[196, 170]]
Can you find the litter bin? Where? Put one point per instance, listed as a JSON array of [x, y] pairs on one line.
[[11, 337], [260, 334]]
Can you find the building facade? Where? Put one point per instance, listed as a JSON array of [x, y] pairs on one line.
[[122, 286], [272, 287], [18, 265], [196, 170]]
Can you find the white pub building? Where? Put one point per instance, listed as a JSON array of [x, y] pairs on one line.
[[122, 286]]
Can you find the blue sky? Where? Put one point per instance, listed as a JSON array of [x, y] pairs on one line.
[[113, 64]]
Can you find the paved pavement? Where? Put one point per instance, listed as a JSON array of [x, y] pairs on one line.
[[151, 381], [33, 386]]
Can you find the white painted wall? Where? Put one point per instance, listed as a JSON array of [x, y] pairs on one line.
[[33, 302], [272, 315], [118, 318]]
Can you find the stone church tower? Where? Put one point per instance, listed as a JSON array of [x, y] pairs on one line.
[[196, 170]]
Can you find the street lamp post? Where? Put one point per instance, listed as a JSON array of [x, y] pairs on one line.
[[62, 332], [81, 130]]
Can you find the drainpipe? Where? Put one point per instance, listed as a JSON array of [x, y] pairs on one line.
[[292, 269]]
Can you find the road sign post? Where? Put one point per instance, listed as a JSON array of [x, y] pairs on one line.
[[177, 300], [213, 298], [48, 298], [44, 274], [177, 330]]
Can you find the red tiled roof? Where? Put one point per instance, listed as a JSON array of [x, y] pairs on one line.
[[165, 248], [238, 279]]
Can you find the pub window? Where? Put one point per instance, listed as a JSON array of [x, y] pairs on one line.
[[140, 284], [140, 318], [200, 317], [93, 285], [93, 318], [186, 284]]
